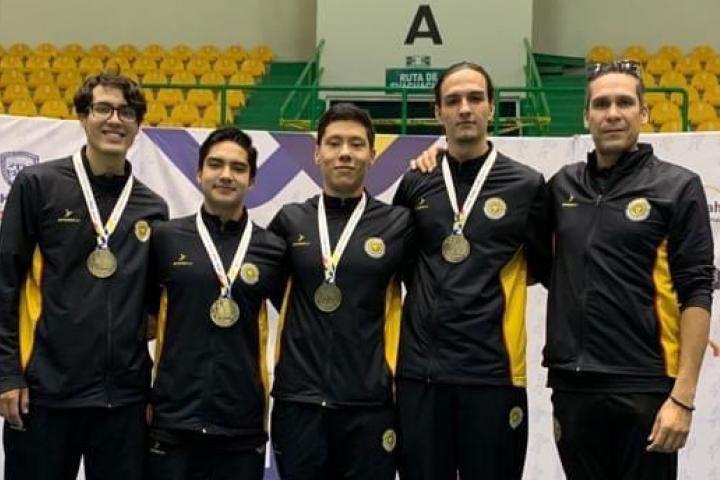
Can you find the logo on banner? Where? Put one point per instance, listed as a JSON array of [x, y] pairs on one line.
[[713, 199], [12, 162]]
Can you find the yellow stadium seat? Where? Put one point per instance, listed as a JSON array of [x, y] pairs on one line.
[[127, 50], [69, 94], [74, 50], [202, 123], [2, 51], [63, 64], [653, 98], [198, 66], [68, 79], [688, 66], [171, 65], [704, 80], [201, 97], [703, 53], [671, 126], [636, 52], [55, 109], [701, 112], [647, 128], [90, 66], [243, 78], [118, 64], [712, 96], [171, 123], [46, 92], [170, 96], [253, 67], [183, 78], [235, 98], [21, 50], [154, 51], [12, 77], [46, 49], [12, 62], [647, 79], [40, 77], [2, 108], [36, 63], [664, 112], [709, 126], [671, 52], [225, 67], [22, 107], [185, 113], [183, 52], [212, 114], [144, 65], [265, 54], [149, 95], [713, 65], [212, 78], [597, 54], [15, 92], [132, 75], [671, 78], [658, 65], [209, 52], [236, 52], [693, 96], [101, 51], [156, 113], [155, 77]]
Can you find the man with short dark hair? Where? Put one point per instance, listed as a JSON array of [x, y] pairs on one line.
[[461, 375], [339, 323], [210, 395], [74, 363], [630, 294]]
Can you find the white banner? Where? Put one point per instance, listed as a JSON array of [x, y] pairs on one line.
[[166, 160]]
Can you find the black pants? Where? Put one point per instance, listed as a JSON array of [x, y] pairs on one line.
[[316, 443], [478, 432], [110, 441], [198, 457], [603, 436]]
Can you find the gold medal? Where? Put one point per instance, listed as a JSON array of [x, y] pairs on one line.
[[224, 312], [328, 297], [101, 263], [455, 248]]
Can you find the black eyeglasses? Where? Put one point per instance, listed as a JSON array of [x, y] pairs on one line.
[[104, 110], [631, 67]]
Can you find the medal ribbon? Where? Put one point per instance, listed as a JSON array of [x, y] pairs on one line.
[[103, 231], [330, 260], [226, 278], [461, 216]]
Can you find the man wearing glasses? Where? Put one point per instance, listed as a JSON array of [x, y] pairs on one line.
[[74, 364], [630, 294]]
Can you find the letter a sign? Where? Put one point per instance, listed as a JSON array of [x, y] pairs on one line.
[[424, 17]]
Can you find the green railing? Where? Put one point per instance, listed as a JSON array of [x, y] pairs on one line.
[[295, 105], [534, 80], [500, 124]]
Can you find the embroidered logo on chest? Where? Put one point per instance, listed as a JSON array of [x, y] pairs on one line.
[[142, 230], [375, 247], [495, 208], [250, 273], [638, 209]]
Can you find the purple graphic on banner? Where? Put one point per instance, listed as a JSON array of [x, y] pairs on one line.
[[295, 153], [394, 162], [179, 146], [300, 148]]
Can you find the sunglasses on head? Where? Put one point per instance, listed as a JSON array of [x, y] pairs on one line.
[[630, 67]]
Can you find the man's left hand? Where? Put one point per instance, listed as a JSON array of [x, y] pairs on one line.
[[671, 428]]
